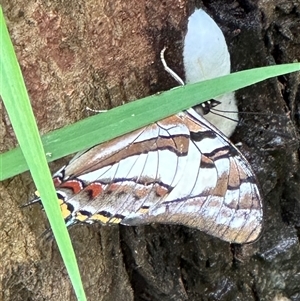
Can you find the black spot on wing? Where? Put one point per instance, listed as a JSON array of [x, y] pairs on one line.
[[223, 152], [119, 216], [85, 213], [198, 136], [105, 213]]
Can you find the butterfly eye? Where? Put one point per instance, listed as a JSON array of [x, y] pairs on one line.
[[206, 107]]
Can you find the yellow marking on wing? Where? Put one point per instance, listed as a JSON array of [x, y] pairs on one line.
[[61, 202], [81, 217], [143, 210], [115, 220], [101, 218], [65, 210]]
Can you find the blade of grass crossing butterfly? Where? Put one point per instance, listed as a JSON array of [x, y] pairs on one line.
[[15, 98]]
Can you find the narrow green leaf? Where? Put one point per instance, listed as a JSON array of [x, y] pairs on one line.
[[118, 121], [15, 98]]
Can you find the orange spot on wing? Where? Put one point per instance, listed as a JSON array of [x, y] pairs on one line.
[[74, 185], [161, 191], [95, 188]]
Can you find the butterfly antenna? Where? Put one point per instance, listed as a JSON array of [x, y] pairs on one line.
[[168, 69], [48, 233], [34, 201], [242, 122], [212, 111], [250, 113]]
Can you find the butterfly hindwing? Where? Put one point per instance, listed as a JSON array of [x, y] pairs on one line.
[[179, 170], [225, 200]]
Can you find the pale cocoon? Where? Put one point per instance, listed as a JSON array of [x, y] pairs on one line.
[[206, 56]]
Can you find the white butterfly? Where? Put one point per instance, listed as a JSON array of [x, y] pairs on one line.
[[179, 170]]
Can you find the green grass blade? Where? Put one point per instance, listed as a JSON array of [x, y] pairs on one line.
[[15, 98], [118, 121]]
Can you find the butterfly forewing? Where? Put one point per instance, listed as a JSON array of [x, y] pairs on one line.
[[179, 170]]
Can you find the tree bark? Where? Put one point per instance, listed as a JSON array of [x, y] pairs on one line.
[[104, 53]]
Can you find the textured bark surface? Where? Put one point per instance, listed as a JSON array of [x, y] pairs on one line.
[[101, 54]]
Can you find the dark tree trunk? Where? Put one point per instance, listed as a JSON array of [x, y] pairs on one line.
[[100, 54]]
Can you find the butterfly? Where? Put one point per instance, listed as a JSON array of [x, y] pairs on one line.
[[179, 170]]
